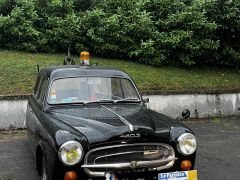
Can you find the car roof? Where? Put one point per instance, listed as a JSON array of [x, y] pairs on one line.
[[55, 72]]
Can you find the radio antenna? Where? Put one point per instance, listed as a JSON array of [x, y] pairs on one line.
[[69, 60]]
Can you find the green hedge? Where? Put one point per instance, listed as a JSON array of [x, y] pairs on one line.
[[156, 32]]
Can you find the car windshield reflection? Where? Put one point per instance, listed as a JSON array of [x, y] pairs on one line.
[[88, 90]]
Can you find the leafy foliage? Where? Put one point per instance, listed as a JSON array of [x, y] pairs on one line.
[[155, 32], [226, 15], [17, 28]]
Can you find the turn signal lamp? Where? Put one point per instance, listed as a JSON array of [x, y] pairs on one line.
[[71, 175], [186, 165], [85, 57]]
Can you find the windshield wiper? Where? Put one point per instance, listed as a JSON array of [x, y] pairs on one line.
[[101, 101], [114, 101], [127, 100]]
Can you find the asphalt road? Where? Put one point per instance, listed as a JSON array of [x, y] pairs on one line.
[[16, 160], [218, 156]]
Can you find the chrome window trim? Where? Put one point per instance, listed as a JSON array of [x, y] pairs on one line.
[[51, 80]]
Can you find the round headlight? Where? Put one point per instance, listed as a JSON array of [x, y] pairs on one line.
[[70, 153], [187, 144]]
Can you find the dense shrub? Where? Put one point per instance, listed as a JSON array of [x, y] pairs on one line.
[[6, 6], [119, 30], [182, 33], [226, 14], [156, 32], [17, 28]]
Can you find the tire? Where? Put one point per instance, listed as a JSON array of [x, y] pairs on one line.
[[44, 173]]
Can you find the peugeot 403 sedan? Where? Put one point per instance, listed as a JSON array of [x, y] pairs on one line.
[[90, 122]]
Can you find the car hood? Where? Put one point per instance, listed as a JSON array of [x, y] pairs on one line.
[[101, 123]]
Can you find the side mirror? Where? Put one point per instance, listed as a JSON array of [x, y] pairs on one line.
[[146, 100], [185, 114]]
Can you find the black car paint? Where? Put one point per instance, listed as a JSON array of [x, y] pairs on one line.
[[92, 125]]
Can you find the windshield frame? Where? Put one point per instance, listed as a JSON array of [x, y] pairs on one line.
[[82, 102]]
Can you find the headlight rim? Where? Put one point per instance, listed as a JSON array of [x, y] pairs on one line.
[[64, 145], [180, 138]]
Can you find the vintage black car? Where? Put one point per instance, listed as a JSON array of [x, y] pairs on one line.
[[90, 122]]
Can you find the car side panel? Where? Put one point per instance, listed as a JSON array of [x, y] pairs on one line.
[[39, 136]]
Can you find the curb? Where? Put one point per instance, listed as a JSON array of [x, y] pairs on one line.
[[14, 97], [189, 92]]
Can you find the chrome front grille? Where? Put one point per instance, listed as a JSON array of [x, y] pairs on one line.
[[128, 156]]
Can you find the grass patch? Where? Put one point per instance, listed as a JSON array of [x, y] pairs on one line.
[[18, 73]]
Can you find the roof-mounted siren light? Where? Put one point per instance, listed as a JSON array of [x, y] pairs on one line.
[[85, 58]]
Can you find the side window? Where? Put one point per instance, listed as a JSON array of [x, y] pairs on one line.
[[116, 88], [42, 90], [130, 91]]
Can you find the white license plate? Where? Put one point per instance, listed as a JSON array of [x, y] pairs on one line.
[[178, 175]]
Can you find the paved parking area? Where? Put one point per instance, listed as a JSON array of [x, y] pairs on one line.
[[218, 156], [16, 160]]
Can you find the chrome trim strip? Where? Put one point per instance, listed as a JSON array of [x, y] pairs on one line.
[[140, 164], [115, 154], [127, 145], [130, 126]]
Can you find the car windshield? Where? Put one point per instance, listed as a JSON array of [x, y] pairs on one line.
[[92, 89]]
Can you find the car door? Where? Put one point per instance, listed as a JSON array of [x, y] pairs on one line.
[[30, 115], [34, 113]]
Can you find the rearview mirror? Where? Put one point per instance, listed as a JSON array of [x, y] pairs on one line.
[[146, 100], [185, 114]]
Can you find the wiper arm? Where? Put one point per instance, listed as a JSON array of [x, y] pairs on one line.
[[98, 101], [101, 101], [66, 104], [127, 100], [114, 101]]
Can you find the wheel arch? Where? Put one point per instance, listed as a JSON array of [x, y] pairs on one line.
[[39, 157]]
